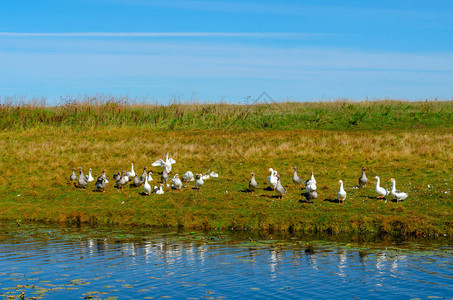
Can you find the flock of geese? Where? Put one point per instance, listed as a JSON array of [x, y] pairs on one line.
[[123, 178], [310, 186]]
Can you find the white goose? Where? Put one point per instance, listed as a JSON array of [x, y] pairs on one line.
[[146, 187], [382, 192], [89, 177], [131, 173], [160, 191], [312, 180], [397, 194], [341, 195], [165, 164], [311, 186], [176, 183], [199, 182], [188, 176], [272, 179], [150, 178]]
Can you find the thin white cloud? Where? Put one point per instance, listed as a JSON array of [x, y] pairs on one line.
[[290, 35]]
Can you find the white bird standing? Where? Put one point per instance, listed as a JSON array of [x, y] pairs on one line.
[[89, 177], [382, 192], [188, 176], [165, 164], [199, 181], [396, 193], [311, 184], [341, 195], [131, 173], [146, 187], [272, 179], [176, 183], [150, 178], [160, 191], [312, 180]]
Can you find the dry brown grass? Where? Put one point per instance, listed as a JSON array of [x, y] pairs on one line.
[[38, 163]]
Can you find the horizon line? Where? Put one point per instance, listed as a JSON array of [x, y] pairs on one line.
[[162, 34]]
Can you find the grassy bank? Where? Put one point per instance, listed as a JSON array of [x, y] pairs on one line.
[[340, 115], [39, 158]]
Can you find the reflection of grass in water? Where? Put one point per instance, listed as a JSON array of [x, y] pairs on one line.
[[277, 244], [170, 238]]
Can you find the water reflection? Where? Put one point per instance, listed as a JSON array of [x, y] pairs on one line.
[[157, 265]]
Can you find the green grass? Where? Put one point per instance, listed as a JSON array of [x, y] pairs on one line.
[[41, 153], [343, 115]]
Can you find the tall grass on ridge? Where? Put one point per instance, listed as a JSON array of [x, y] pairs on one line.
[[343, 115]]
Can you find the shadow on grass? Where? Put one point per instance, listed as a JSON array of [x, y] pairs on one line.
[[378, 199], [268, 188], [270, 196], [305, 201], [332, 200]]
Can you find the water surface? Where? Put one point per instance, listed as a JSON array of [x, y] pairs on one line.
[[73, 263]]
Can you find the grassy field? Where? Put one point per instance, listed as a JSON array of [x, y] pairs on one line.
[[410, 142]]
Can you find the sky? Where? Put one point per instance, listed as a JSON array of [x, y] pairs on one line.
[[230, 51]]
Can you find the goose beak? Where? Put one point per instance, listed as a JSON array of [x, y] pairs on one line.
[[375, 177]]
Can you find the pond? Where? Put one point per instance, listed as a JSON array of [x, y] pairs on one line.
[[44, 261]]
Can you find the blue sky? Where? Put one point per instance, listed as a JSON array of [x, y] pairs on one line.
[[227, 50]]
